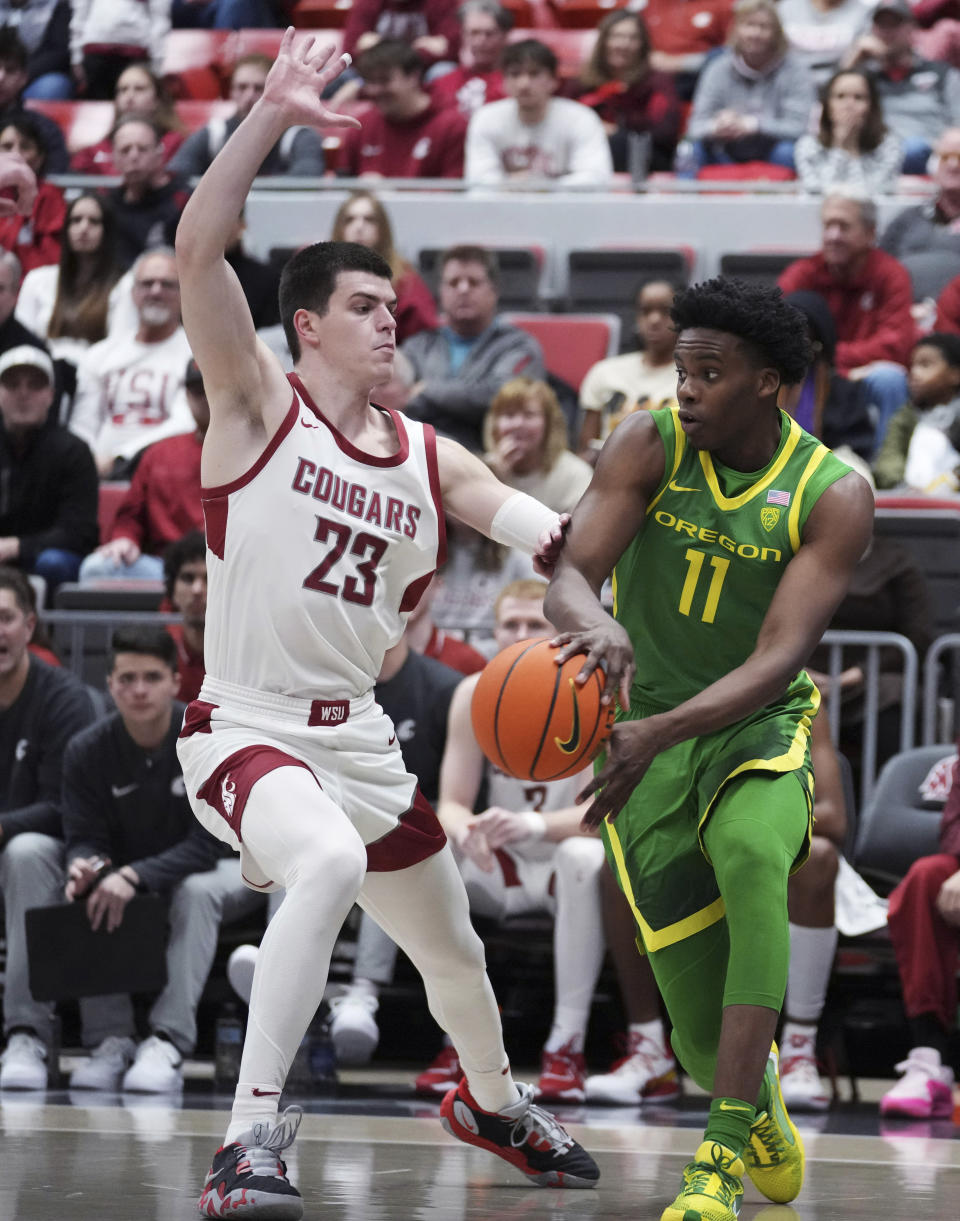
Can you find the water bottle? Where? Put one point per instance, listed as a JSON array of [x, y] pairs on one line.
[[228, 1047], [685, 161]]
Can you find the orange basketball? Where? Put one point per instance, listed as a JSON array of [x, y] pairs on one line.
[[532, 720]]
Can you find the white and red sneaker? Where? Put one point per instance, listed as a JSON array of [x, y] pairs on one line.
[[925, 1088], [800, 1081], [647, 1073], [562, 1075], [443, 1075]]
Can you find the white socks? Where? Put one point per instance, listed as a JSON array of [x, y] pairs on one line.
[[811, 960]]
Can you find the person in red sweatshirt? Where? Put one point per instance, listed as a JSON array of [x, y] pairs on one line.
[[162, 503], [869, 295], [477, 79], [429, 26], [406, 135]]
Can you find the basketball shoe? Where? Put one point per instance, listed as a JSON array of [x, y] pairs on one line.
[[646, 1073], [562, 1075], [353, 1027], [248, 1178], [774, 1153], [443, 1075], [524, 1135], [712, 1186], [925, 1088], [800, 1081]]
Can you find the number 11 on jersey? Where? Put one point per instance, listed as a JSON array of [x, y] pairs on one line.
[[695, 565]]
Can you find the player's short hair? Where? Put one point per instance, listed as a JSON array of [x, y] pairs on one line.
[[528, 51], [149, 641], [185, 550], [14, 580], [13, 50], [757, 314], [387, 56], [473, 254], [527, 590], [947, 345], [310, 276]]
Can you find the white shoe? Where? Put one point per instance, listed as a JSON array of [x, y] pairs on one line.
[[646, 1073], [800, 1081], [352, 1027], [925, 1088], [157, 1069], [23, 1066], [240, 967], [106, 1065]]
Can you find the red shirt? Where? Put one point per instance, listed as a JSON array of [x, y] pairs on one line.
[[35, 239], [189, 665], [948, 308], [416, 310], [429, 146], [98, 158], [871, 311], [407, 20], [162, 503], [688, 27], [456, 654], [467, 90]]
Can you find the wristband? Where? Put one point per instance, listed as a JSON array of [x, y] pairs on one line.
[[520, 521], [535, 826]]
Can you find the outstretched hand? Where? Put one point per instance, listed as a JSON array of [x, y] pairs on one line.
[[300, 74], [18, 186]]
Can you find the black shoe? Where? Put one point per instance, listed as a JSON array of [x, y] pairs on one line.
[[248, 1178], [524, 1135]]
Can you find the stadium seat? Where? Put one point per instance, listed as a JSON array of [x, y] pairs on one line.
[[606, 279], [321, 14], [193, 61], [82, 123], [746, 171], [571, 343], [110, 496], [763, 266], [583, 14], [195, 114], [931, 271], [520, 271]]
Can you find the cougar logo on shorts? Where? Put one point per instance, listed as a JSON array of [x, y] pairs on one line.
[[228, 795], [464, 1116], [573, 741]]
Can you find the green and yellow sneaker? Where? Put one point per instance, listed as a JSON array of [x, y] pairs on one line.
[[774, 1152], [712, 1186]]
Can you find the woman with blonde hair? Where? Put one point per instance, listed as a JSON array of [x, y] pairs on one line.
[[362, 218], [141, 92], [525, 443], [754, 100]]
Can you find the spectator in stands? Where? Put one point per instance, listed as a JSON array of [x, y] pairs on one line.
[[934, 225], [531, 135], [484, 27], [525, 443], [921, 98], [362, 218], [407, 135], [629, 97], [13, 80], [147, 204], [124, 802], [821, 32], [107, 35], [617, 385], [13, 334], [754, 100], [139, 91], [41, 708], [185, 581], [130, 387], [423, 635], [162, 503], [297, 154], [852, 146], [459, 367], [260, 281], [429, 27], [948, 308], [69, 304], [229, 14], [35, 239], [924, 924], [922, 443], [48, 483], [44, 28], [869, 295], [684, 34]]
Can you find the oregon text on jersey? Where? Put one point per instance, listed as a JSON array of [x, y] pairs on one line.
[[748, 551]]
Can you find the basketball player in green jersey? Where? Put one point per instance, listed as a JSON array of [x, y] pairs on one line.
[[731, 534]]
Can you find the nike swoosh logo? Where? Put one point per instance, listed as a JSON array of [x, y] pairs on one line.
[[393, 739], [121, 790], [573, 741], [675, 487], [725, 1106], [307, 424], [264, 1093]]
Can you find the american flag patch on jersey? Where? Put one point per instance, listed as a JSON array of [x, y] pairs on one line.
[[778, 498]]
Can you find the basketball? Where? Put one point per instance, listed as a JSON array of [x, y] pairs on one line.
[[532, 720]]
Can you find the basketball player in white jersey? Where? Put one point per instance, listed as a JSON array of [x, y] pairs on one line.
[[324, 520]]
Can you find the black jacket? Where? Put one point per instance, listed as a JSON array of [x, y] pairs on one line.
[[150, 221]]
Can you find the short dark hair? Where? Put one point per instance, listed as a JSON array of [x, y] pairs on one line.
[[150, 641], [310, 276], [473, 254], [192, 546], [14, 580], [13, 50], [757, 314], [27, 126], [874, 128], [386, 56], [947, 345], [528, 51]]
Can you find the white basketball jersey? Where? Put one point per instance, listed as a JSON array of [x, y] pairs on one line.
[[522, 795], [316, 556]]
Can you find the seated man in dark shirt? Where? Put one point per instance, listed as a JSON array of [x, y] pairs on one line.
[[147, 204], [41, 708]]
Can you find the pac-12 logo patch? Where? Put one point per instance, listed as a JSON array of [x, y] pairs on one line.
[[769, 516]]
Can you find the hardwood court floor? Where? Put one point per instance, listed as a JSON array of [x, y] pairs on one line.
[[372, 1157]]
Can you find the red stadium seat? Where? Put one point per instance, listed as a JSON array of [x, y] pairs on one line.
[[571, 343], [195, 114], [265, 42], [193, 63], [583, 14], [321, 14], [111, 494], [82, 123]]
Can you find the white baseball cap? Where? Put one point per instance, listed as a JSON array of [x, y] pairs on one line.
[[26, 354]]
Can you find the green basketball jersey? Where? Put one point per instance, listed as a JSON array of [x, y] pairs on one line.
[[694, 585]]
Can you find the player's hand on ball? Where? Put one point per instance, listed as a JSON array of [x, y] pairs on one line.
[[300, 74], [607, 646], [549, 546], [631, 748]]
